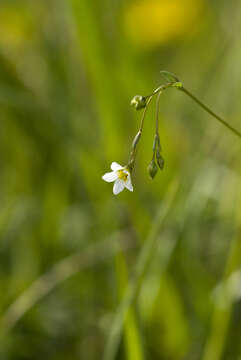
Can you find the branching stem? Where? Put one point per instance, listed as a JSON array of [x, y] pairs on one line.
[[236, 132], [178, 85]]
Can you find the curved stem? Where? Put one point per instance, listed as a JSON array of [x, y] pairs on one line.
[[144, 113], [160, 89], [236, 132], [132, 157]]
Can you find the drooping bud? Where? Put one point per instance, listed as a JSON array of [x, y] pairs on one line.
[[152, 169], [160, 160], [138, 102]]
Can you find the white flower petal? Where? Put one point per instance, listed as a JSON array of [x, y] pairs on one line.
[[115, 167], [128, 183], [119, 185], [110, 176]]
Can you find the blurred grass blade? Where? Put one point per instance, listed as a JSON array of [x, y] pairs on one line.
[[131, 333], [223, 301], [97, 62], [60, 272], [142, 264]]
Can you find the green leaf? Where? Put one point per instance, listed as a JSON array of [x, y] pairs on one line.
[[170, 77]]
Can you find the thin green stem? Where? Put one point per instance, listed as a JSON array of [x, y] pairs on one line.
[[132, 158], [144, 113], [236, 132], [157, 113], [59, 273], [160, 89], [178, 85]]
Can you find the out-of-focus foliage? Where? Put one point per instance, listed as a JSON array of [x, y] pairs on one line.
[[68, 70], [156, 22]]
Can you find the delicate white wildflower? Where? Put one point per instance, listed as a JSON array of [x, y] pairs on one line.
[[121, 177]]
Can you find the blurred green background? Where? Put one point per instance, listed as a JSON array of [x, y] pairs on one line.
[[68, 69]]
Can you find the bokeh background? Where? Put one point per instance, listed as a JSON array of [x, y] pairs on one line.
[[69, 247]]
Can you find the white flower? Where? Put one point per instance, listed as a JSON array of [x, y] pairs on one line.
[[121, 176]]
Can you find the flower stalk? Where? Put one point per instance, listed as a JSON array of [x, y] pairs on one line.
[[156, 148], [173, 81], [122, 176], [131, 162], [209, 111]]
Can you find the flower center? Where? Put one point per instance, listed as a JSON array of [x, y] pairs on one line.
[[122, 175]]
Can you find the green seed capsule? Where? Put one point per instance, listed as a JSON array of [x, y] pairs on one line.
[[152, 169], [160, 160]]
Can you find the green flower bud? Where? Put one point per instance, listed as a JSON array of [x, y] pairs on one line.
[[160, 160], [152, 169], [138, 102]]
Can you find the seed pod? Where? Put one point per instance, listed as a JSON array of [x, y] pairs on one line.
[[152, 169], [160, 160]]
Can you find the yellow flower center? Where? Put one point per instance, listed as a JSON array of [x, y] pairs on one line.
[[122, 175]]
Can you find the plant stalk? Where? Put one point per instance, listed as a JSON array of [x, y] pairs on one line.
[[217, 117]]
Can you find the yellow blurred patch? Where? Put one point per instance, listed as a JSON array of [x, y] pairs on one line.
[[14, 27], [154, 22]]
